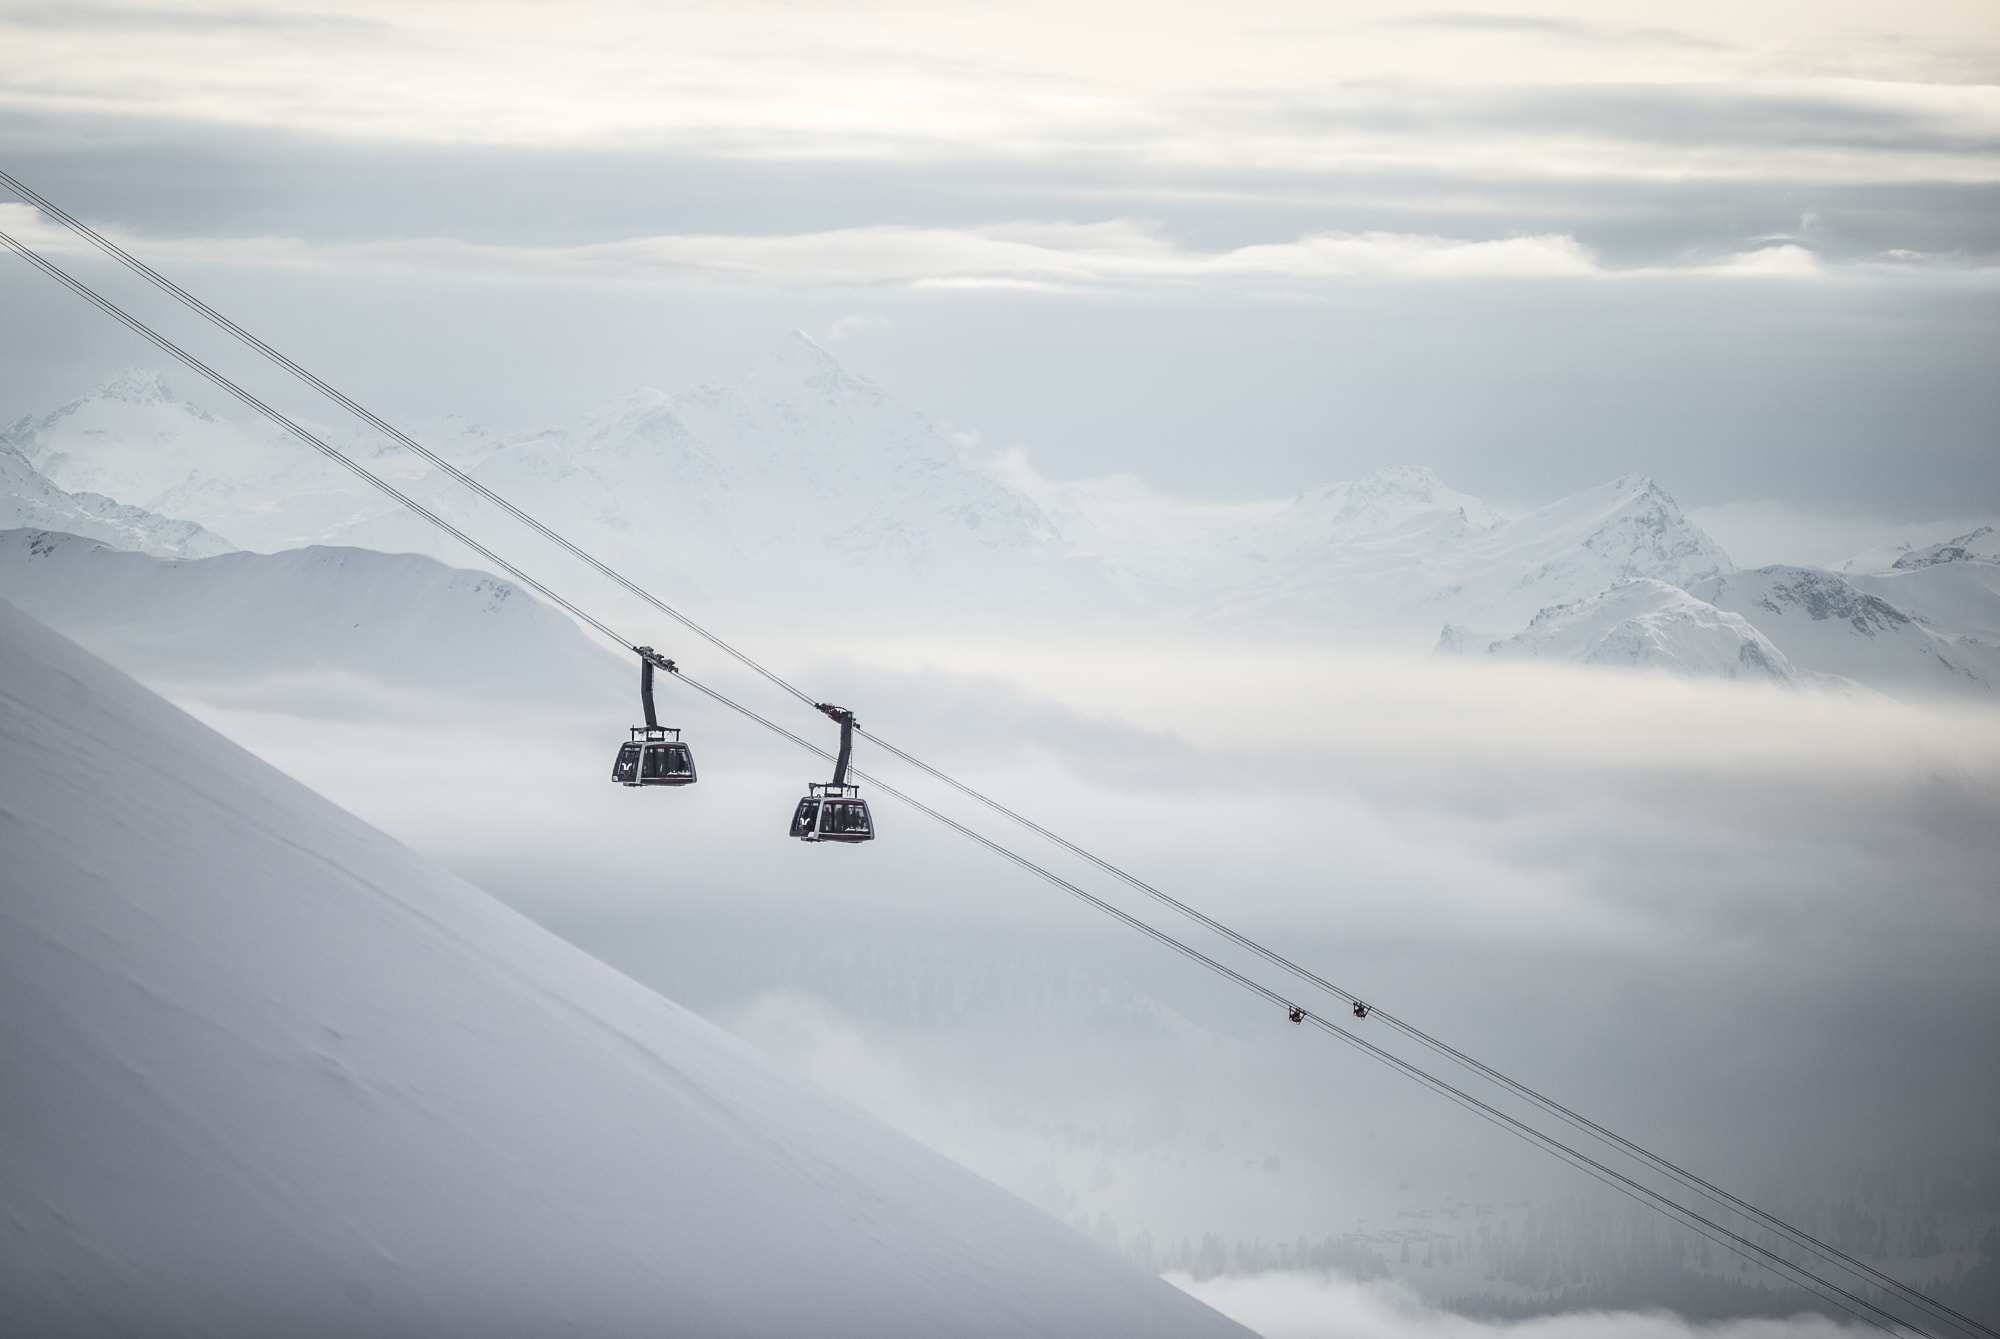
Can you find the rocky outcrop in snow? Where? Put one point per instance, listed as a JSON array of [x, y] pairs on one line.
[[1981, 545], [1824, 621]]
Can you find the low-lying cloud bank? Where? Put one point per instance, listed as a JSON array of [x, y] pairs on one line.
[[1306, 1306], [1040, 254]]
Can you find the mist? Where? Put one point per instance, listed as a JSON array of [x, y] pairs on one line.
[[1750, 928]]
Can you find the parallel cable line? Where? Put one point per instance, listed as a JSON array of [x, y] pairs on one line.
[[1707, 1189], [1628, 1186], [373, 420], [1645, 1194], [176, 352]]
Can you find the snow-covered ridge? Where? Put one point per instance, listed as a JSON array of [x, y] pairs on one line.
[[399, 619], [1827, 622], [1643, 623], [1981, 545], [133, 439], [270, 1072], [28, 498]]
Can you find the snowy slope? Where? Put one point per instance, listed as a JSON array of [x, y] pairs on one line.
[[1825, 622], [1960, 599], [269, 1073], [1644, 624], [396, 618], [28, 498]]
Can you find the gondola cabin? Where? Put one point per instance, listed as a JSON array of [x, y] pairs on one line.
[[833, 814], [654, 756]]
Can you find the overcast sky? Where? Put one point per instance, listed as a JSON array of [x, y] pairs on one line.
[[1237, 248]]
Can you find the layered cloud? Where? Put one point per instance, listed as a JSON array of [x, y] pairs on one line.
[[1780, 93], [1025, 254]]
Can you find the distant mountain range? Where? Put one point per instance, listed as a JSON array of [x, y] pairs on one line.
[[308, 613], [806, 491]]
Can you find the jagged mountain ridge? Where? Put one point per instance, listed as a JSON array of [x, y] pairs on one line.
[[807, 491]]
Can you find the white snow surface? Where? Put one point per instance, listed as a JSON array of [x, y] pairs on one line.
[[268, 1072], [402, 619], [1645, 624], [1854, 626]]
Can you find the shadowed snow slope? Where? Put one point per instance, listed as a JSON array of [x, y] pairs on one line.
[[395, 618], [268, 1072]]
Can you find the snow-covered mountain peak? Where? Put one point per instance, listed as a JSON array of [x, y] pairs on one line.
[[1644, 623], [644, 420], [136, 386], [129, 439], [800, 371], [1634, 525], [1392, 496], [798, 403]]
